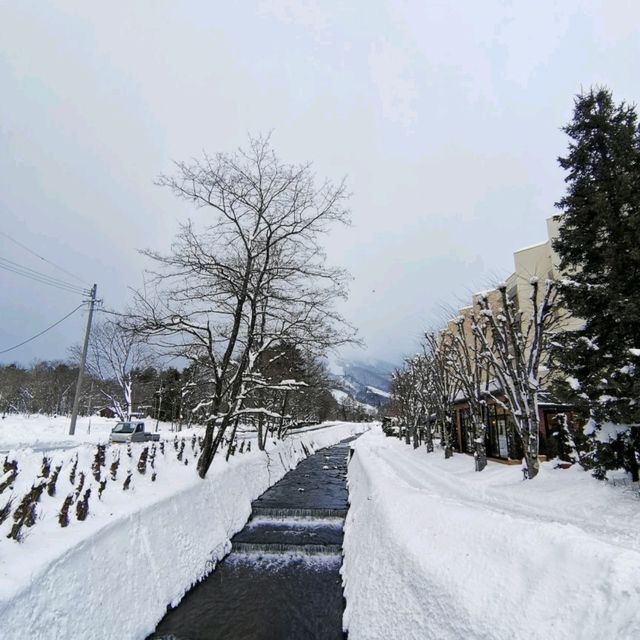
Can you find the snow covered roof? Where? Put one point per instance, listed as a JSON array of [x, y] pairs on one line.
[[532, 246]]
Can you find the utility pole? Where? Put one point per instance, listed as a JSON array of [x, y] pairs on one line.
[[159, 393], [83, 359]]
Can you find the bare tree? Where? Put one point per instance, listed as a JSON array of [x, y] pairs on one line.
[[438, 349], [115, 353], [513, 345], [412, 395], [253, 278], [470, 370]]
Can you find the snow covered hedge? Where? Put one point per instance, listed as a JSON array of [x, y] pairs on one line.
[[114, 574]]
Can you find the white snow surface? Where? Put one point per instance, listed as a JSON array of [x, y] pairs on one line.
[[434, 550], [113, 575], [379, 392], [342, 396], [41, 432]]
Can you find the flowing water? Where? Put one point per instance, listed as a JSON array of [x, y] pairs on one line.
[[281, 580]]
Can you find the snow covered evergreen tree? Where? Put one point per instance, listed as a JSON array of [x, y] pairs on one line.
[[599, 249]]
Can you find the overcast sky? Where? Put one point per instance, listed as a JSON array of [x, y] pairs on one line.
[[444, 116]]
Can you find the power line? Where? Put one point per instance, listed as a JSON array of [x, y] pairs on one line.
[[37, 255], [55, 324], [29, 272], [42, 281], [26, 272]]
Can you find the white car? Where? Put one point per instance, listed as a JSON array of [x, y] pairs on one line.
[[132, 432]]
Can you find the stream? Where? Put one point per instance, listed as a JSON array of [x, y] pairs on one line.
[[282, 578]]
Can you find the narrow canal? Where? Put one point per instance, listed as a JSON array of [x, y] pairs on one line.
[[281, 580]]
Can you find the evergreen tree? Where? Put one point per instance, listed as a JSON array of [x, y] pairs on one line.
[[599, 249]]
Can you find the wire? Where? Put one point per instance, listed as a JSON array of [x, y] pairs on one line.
[[26, 272], [55, 324], [29, 272], [37, 255], [62, 288]]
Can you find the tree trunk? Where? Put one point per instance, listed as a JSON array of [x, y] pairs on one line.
[[632, 462], [429, 438], [416, 441], [533, 464], [210, 446], [407, 435], [530, 437], [283, 409], [261, 440], [446, 439], [480, 453], [233, 438]]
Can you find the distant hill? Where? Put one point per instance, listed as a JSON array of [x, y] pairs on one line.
[[366, 381]]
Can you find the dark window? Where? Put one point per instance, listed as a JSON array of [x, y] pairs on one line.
[[466, 430]]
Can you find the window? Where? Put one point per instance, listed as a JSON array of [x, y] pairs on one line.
[[466, 430]]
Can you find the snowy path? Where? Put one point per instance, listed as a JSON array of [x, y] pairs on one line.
[[459, 554], [610, 526]]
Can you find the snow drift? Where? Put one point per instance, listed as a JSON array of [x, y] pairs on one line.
[[434, 550]]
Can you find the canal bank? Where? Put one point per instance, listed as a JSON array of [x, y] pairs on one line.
[[148, 549]]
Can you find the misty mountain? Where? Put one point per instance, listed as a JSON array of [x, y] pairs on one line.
[[367, 381]]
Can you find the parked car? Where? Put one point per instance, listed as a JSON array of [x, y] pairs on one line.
[[132, 432]]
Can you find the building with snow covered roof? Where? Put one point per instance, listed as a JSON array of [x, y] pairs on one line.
[[538, 261]]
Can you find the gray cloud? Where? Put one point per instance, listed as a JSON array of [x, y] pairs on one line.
[[444, 116]]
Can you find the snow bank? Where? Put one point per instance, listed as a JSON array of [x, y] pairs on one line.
[[434, 550], [114, 575]]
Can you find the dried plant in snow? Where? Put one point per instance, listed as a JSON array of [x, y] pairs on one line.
[[80, 484], [142, 462], [45, 470], [113, 469], [98, 461], [6, 510], [82, 506], [51, 485], [74, 467], [63, 516], [10, 473]]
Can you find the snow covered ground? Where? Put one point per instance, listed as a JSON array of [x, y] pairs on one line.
[[42, 433], [435, 550], [139, 550]]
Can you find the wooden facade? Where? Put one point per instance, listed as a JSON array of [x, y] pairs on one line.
[[501, 441]]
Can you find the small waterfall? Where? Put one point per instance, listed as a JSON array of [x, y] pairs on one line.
[[283, 522], [288, 512], [288, 548]]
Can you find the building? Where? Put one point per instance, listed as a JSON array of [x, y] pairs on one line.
[[542, 262]]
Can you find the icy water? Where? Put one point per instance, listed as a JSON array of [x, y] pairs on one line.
[[281, 580]]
